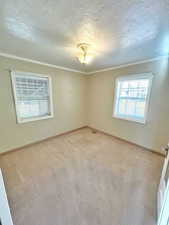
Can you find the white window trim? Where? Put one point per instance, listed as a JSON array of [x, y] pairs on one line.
[[132, 77], [13, 74]]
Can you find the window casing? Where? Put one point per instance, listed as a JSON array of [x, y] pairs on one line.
[[32, 95], [132, 94]]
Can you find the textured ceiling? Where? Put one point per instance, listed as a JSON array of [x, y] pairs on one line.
[[119, 31]]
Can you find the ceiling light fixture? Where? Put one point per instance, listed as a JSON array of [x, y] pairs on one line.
[[84, 56]]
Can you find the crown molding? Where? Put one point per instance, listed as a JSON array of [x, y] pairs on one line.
[[82, 72], [128, 64], [39, 62]]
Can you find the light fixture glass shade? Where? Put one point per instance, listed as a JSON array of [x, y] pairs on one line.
[[85, 59], [84, 56]]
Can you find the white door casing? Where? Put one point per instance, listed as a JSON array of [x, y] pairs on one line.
[[163, 193], [5, 215]]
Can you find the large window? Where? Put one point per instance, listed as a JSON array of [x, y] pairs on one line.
[[33, 96], [132, 95]]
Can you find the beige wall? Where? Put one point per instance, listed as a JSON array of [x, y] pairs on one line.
[[155, 132], [69, 99], [81, 100]]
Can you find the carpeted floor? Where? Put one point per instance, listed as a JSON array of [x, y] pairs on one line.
[[82, 179]]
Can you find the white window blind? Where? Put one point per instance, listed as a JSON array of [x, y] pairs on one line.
[[132, 97], [32, 94]]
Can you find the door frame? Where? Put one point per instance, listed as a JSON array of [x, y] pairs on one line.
[[163, 194], [164, 213]]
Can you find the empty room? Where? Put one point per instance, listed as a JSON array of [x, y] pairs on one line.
[[84, 112]]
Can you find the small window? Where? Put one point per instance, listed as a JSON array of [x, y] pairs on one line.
[[33, 96], [132, 95]]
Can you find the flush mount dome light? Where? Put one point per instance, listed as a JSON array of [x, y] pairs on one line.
[[84, 56]]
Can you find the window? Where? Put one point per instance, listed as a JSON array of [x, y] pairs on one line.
[[132, 95], [33, 96]]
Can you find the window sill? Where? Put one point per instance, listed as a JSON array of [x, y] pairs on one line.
[[34, 119], [143, 122]]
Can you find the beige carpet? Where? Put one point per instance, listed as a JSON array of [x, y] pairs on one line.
[[82, 179]]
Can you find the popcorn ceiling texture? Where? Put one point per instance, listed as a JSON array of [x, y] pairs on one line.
[[119, 31]]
